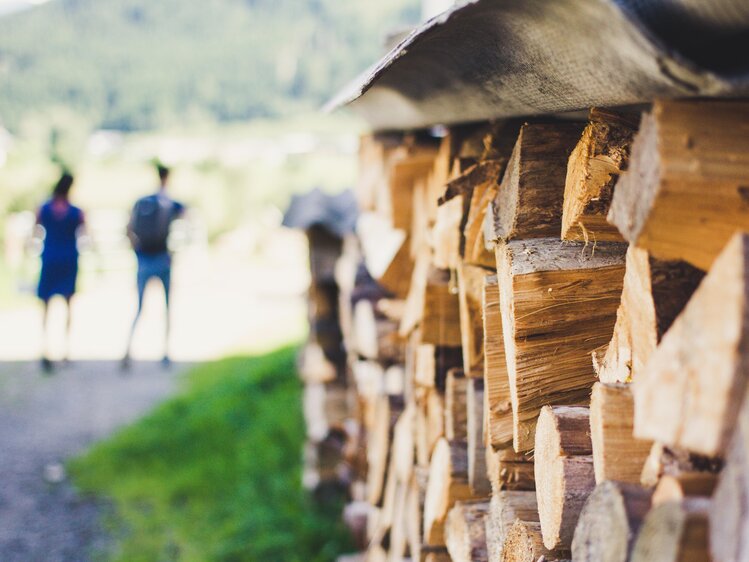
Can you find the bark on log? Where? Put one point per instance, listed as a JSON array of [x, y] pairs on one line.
[[465, 531], [523, 544]]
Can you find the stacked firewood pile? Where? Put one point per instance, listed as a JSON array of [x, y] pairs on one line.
[[553, 361]]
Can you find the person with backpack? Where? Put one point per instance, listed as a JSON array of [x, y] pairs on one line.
[[148, 231], [61, 223]]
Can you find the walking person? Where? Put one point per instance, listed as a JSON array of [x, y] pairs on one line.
[[148, 231], [62, 224]]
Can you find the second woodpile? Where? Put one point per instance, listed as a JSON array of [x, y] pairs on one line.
[[554, 362]]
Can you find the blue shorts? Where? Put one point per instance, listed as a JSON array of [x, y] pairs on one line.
[[157, 266]]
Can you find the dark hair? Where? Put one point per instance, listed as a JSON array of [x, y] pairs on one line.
[[163, 171], [63, 185]]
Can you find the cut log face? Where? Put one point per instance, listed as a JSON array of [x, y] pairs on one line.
[[593, 168], [558, 303], [504, 509], [683, 150], [477, 470], [465, 531], [496, 380], [564, 471], [674, 532], [654, 293], [617, 454], [702, 363], [530, 198], [523, 544], [609, 522]]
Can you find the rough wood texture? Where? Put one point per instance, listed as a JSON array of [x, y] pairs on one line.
[[474, 251], [477, 471], [496, 380], [387, 412], [465, 531], [504, 509], [456, 421], [702, 363], [683, 150], [617, 454], [530, 198], [405, 169], [684, 485], [508, 470], [674, 532], [654, 294], [558, 302], [448, 483], [386, 253], [564, 471], [729, 512], [593, 168], [609, 522], [447, 233], [470, 287], [669, 461], [440, 323], [523, 544]]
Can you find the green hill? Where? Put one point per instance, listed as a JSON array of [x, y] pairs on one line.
[[138, 64]]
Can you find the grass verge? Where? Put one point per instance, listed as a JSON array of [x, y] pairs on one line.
[[214, 474]]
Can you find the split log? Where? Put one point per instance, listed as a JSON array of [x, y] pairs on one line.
[[702, 363], [484, 192], [617, 454], [388, 410], [674, 532], [432, 364], [685, 485], [376, 337], [654, 294], [448, 483], [564, 471], [683, 150], [558, 303], [412, 522], [729, 512], [609, 522], [504, 509], [669, 461], [406, 168], [530, 198], [477, 471], [496, 380], [403, 448], [386, 253], [456, 420], [523, 543], [447, 234], [508, 470], [593, 168], [470, 288], [436, 555], [465, 531]]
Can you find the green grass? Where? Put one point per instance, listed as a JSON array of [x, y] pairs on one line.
[[214, 474]]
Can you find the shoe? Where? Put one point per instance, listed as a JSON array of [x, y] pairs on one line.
[[47, 366], [126, 364], [166, 363]]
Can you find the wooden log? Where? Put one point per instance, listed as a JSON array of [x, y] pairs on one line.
[[508, 470], [523, 543], [683, 150], [477, 470], [403, 448], [530, 198], [564, 471], [674, 532], [592, 170], [558, 303], [669, 461], [684, 485], [609, 522], [617, 454], [448, 483], [465, 531], [504, 509], [456, 414], [386, 253], [436, 555], [432, 364], [447, 234], [406, 167], [701, 363], [375, 336], [729, 512], [654, 294], [388, 410], [496, 379], [412, 523], [484, 192], [470, 288]]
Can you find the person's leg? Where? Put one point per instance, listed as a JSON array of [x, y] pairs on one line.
[[166, 280], [142, 280], [68, 322], [45, 361]]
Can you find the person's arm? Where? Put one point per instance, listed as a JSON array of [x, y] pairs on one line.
[[130, 232]]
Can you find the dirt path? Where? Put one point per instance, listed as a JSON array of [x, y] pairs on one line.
[[43, 422]]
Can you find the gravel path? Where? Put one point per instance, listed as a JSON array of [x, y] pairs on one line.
[[43, 422]]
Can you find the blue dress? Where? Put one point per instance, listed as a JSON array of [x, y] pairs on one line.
[[60, 253]]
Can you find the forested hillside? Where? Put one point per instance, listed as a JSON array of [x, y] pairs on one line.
[[137, 64]]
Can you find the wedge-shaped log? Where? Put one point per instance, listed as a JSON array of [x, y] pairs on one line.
[[654, 294], [683, 151], [387, 411], [448, 483], [531, 195], [496, 381], [684, 485], [474, 250], [609, 522], [508, 470], [729, 512], [523, 544], [386, 252], [674, 532], [702, 363], [617, 454], [433, 304], [465, 531], [558, 302], [470, 287], [564, 471], [477, 471], [593, 168]]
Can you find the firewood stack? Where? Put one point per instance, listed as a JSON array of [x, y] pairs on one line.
[[554, 361]]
